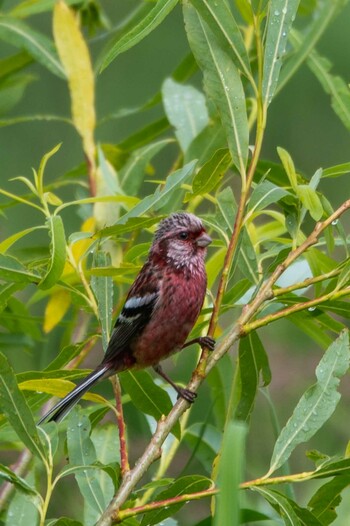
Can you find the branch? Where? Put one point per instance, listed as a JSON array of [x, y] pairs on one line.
[[165, 425]]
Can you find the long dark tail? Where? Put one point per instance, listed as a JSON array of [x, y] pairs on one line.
[[62, 408]]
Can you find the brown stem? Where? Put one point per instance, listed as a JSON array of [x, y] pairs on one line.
[[165, 424], [124, 460], [249, 327]]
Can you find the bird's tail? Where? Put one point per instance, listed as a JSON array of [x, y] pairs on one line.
[[62, 408]]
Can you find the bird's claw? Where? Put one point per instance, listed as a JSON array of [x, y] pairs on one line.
[[207, 341], [187, 395]]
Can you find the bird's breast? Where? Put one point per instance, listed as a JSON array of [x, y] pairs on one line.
[[175, 314]]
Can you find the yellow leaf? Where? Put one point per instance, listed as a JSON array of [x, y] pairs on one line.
[[75, 58], [80, 247], [57, 387], [56, 308]]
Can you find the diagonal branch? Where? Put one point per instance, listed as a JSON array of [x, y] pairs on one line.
[[165, 425]]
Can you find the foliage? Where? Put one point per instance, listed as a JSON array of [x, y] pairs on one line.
[[280, 249]]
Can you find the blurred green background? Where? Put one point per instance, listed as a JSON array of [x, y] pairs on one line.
[[300, 120]]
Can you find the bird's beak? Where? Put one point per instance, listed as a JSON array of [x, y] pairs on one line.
[[204, 240]]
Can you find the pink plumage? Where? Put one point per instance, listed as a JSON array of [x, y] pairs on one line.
[[160, 310]]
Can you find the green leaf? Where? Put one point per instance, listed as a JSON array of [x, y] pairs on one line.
[[220, 380], [36, 44], [222, 83], [155, 201], [265, 194], [181, 486], [22, 511], [324, 502], [317, 404], [204, 146], [103, 290], [7, 243], [82, 452], [320, 21], [204, 440], [57, 251], [6, 291], [211, 173], [333, 85], [12, 270], [230, 472], [279, 23], [219, 18], [185, 109], [147, 396], [12, 89], [310, 200], [9, 476], [253, 366], [246, 259], [289, 167], [152, 20], [14, 406], [281, 504], [132, 173], [336, 171], [13, 63]]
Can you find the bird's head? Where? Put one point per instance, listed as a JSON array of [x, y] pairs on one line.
[[181, 240]]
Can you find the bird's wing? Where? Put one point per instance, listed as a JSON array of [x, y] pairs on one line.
[[134, 316]]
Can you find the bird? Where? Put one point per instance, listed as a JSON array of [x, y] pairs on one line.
[[160, 309]]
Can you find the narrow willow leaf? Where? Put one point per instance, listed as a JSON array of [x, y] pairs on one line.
[[226, 209], [265, 194], [219, 18], [13, 63], [107, 184], [279, 23], [56, 308], [158, 199], [223, 84], [204, 440], [103, 290], [14, 406], [220, 381], [7, 290], [37, 45], [253, 367], [22, 511], [132, 174], [181, 486], [211, 173], [246, 259], [185, 109], [334, 85], [324, 502], [320, 21], [204, 146], [336, 171], [74, 55], [9, 476], [82, 452], [317, 404], [57, 252], [58, 387], [289, 167], [310, 200], [147, 396], [152, 20], [12, 90], [281, 504], [230, 472], [12, 270]]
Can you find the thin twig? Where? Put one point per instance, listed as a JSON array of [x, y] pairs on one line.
[[165, 425], [124, 460]]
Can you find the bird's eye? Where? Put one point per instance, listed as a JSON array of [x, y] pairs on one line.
[[183, 235]]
